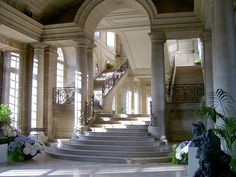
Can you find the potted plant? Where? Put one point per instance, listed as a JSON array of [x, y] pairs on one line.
[[110, 66], [221, 112], [5, 119]]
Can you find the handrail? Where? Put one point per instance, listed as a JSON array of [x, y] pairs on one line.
[[109, 83], [88, 112], [169, 89], [187, 93], [64, 95]]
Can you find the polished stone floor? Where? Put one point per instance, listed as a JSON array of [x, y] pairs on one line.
[[43, 165]]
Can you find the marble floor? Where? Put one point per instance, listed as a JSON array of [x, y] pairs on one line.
[[43, 165]]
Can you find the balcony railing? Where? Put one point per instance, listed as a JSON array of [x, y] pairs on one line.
[[64, 95], [187, 93]]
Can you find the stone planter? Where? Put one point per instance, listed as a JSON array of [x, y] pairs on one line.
[[193, 164]]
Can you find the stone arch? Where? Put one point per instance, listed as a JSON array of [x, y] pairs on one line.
[[96, 9]]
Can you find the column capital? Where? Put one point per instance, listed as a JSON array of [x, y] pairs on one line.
[[82, 42], [206, 36], [91, 46], [39, 45], [157, 37]]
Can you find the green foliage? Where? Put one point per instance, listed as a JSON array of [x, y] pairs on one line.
[[173, 157], [5, 113], [221, 109], [197, 61], [110, 66], [233, 164], [17, 154]]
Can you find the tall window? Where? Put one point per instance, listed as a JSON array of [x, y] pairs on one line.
[[97, 35], [149, 99], [111, 40], [14, 85], [128, 102], [60, 68], [34, 94]]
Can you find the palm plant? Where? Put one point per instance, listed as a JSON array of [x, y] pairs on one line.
[[221, 111]]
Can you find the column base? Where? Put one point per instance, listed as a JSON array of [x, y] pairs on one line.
[[155, 131]]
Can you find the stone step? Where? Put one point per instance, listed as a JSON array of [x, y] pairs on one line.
[[139, 134], [109, 153], [145, 119], [117, 147], [83, 158], [114, 126], [114, 142], [105, 159], [122, 122], [118, 130], [119, 138]]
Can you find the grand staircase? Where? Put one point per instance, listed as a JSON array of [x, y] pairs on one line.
[[114, 139]]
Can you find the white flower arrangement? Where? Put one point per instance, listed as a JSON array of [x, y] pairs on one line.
[[10, 131], [181, 153]]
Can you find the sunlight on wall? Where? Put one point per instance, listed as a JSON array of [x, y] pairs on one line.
[[78, 86], [34, 94]]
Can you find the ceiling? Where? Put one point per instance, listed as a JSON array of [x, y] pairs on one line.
[[61, 11], [131, 24]]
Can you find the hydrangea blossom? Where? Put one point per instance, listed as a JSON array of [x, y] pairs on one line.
[[182, 150], [23, 147], [10, 131]]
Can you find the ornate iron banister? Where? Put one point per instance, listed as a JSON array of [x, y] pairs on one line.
[[187, 93], [109, 83], [169, 88], [64, 95], [88, 112]]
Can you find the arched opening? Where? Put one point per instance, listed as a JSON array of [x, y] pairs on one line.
[[130, 23]]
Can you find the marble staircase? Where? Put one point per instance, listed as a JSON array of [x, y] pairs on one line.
[[114, 139]]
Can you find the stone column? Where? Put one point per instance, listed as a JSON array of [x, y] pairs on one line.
[[50, 63], [157, 126], [39, 55], [207, 66], [81, 81], [224, 63], [90, 70], [206, 39], [1, 75], [25, 89]]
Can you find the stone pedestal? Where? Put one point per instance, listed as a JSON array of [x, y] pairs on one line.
[[3, 150], [192, 161]]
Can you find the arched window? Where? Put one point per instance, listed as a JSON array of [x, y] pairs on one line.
[[60, 68]]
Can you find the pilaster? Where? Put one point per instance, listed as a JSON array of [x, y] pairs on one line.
[[39, 56], [50, 63], [25, 88]]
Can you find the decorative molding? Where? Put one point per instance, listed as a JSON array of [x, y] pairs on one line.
[[63, 31], [19, 21], [84, 18]]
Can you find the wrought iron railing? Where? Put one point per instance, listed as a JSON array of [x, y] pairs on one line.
[[187, 93], [109, 83], [87, 114], [169, 88], [64, 95]]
